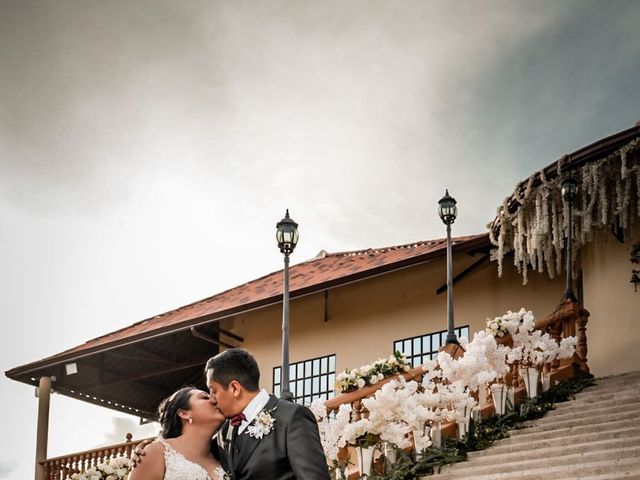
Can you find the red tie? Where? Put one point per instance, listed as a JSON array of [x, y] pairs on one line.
[[237, 420]]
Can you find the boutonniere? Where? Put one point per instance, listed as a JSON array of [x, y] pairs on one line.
[[262, 425], [222, 474]]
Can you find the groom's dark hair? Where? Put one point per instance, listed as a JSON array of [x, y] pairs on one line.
[[234, 364]]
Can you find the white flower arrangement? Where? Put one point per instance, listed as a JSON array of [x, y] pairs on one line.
[[533, 347], [535, 230], [398, 411], [331, 429], [483, 362], [371, 374], [497, 327], [262, 425], [401, 412], [116, 468]]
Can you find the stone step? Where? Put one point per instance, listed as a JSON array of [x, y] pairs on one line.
[[532, 427], [627, 473], [594, 436], [556, 441], [625, 377], [603, 400], [591, 396], [548, 453], [527, 435], [615, 388], [577, 414], [593, 463]]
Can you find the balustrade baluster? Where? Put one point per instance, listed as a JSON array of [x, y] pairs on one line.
[[581, 347]]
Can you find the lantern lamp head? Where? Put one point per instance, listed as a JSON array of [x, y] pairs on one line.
[[447, 208], [287, 234], [569, 189]]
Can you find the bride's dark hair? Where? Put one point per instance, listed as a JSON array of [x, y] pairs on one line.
[[168, 412]]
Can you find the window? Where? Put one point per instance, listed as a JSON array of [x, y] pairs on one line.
[[309, 379], [425, 347]]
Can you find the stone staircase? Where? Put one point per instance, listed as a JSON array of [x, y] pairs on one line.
[[596, 436]]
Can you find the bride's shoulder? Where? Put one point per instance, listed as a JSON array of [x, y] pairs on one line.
[[152, 466], [156, 449]]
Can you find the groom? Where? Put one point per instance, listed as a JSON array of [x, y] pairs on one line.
[[265, 438]]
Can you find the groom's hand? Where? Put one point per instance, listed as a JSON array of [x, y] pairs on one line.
[[138, 452]]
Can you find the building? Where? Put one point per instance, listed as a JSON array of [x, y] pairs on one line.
[[350, 308]]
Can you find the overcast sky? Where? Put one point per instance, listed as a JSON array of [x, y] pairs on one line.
[[147, 148]]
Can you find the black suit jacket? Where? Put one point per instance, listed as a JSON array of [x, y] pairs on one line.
[[292, 450]]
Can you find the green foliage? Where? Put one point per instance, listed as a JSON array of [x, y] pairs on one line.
[[480, 436], [432, 460]]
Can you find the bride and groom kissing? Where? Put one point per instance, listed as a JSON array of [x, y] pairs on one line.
[[235, 432]]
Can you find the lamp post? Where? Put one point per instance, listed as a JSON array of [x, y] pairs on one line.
[[287, 236], [448, 211], [569, 191]]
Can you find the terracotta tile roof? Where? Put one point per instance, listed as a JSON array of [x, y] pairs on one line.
[[327, 270]]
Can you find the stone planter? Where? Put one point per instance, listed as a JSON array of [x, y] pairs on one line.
[[365, 460], [389, 452], [499, 395], [530, 377]]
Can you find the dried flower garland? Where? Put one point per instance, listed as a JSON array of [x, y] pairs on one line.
[[535, 231]]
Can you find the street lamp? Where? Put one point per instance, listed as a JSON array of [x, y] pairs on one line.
[[448, 211], [569, 191], [287, 236]]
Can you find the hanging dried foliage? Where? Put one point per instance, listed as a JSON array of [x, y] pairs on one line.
[[532, 222]]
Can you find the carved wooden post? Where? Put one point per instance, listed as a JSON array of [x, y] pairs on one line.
[[129, 447], [44, 400], [357, 410], [556, 333], [581, 348]]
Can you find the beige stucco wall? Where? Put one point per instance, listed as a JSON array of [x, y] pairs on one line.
[[364, 318], [613, 331]]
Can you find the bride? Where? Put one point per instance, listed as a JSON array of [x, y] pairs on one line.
[[188, 420]]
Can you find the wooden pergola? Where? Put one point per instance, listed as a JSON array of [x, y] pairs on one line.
[[132, 377]]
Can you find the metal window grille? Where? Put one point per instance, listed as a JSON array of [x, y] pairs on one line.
[[309, 379], [425, 347]]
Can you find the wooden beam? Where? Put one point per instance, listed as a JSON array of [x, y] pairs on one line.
[[231, 335], [138, 358], [463, 273], [209, 339], [106, 402], [157, 373]]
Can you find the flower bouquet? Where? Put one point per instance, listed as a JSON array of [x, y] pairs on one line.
[[351, 380], [116, 468]]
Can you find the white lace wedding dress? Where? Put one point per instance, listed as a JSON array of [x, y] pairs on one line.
[[177, 467]]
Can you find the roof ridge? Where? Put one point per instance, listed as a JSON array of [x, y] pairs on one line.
[[173, 314], [418, 243]]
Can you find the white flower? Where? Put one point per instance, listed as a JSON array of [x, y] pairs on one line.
[[262, 425]]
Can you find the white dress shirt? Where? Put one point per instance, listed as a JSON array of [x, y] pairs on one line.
[[252, 410]]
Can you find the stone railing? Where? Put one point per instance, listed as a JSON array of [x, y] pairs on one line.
[[61, 468]]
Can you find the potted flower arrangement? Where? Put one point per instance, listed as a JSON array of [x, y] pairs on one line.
[[351, 380], [533, 348]]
